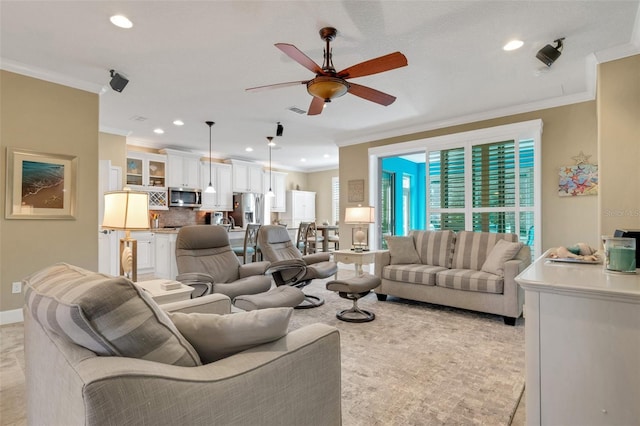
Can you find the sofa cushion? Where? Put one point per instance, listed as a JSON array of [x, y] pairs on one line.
[[416, 273], [218, 336], [108, 315], [470, 280], [499, 254], [402, 250], [472, 248], [435, 247]]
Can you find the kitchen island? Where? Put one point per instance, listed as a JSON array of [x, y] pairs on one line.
[[582, 334]]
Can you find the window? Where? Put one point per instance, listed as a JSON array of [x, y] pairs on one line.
[[482, 180], [484, 187], [335, 199]]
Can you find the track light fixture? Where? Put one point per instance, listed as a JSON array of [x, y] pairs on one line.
[[549, 54], [118, 82]]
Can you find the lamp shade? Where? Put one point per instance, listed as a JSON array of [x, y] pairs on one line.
[[356, 215], [126, 210]]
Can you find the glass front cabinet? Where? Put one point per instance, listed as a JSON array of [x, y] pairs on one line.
[[148, 172]]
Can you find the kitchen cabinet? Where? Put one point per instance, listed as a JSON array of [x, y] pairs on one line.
[[165, 255], [147, 172], [278, 185], [183, 169], [146, 251], [300, 207], [221, 178], [247, 177]]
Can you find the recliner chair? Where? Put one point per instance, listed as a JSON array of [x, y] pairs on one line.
[[207, 262], [289, 266]]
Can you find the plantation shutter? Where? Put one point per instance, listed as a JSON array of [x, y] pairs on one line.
[[335, 199]]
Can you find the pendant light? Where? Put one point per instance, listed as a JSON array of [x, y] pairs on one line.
[[210, 189], [271, 143]]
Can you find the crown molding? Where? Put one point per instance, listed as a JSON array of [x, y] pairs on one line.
[[52, 77]]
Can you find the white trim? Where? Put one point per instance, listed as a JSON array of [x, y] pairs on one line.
[[523, 129], [10, 317], [53, 77]]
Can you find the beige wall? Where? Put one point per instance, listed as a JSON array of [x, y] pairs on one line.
[[320, 183], [114, 148], [296, 180], [619, 144], [567, 131], [46, 117]]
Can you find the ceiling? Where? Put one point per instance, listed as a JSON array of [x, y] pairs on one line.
[[193, 60]]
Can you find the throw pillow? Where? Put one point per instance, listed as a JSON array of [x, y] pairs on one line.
[[402, 250], [217, 336], [108, 315], [500, 253]]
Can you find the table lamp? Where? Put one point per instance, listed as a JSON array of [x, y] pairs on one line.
[[127, 211], [359, 216]]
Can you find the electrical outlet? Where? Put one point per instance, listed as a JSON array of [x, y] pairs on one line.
[[16, 287]]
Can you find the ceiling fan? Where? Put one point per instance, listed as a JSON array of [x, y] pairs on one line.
[[329, 84]]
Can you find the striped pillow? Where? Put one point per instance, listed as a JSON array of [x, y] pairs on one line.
[[107, 315], [472, 248], [435, 247]]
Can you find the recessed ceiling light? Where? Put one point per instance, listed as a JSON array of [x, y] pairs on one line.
[[158, 131], [326, 156], [513, 45], [121, 21], [248, 149], [178, 122], [303, 159]]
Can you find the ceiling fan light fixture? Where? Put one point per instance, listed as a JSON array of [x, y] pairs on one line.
[[327, 87]]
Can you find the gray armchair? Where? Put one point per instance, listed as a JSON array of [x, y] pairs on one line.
[[289, 266], [69, 384], [207, 262]]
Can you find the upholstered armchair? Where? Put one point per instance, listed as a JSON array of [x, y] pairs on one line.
[[100, 351], [289, 266], [207, 262]]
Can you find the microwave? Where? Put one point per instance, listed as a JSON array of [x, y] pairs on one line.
[[185, 197]]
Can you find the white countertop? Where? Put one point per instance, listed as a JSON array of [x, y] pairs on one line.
[[588, 279]]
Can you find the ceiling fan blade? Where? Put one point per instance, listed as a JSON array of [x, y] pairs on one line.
[[276, 86], [370, 94], [294, 53], [374, 66], [316, 107]]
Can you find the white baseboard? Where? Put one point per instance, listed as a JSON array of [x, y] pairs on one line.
[[9, 317]]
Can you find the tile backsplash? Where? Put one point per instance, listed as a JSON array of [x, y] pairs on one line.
[[180, 216]]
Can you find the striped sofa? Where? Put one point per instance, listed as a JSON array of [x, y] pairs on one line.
[[467, 270]]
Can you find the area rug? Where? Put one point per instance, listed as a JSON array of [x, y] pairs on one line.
[[423, 364]]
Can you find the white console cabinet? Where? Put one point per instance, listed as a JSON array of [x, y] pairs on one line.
[[582, 345]]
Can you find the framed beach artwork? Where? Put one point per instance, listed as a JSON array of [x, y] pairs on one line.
[[40, 185]]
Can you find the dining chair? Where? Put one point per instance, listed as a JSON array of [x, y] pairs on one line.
[[249, 250]]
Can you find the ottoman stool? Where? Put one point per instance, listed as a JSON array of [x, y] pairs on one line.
[[278, 297], [353, 289]]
